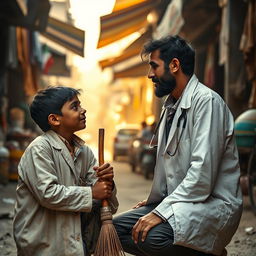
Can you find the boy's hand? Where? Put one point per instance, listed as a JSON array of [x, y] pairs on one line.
[[102, 190], [105, 172]]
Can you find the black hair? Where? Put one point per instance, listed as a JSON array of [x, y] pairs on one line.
[[172, 47], [50, 101]]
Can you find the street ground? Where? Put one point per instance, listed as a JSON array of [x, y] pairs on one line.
[[132, 188]]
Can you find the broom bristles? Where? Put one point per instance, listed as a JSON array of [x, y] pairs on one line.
[[108, 243]]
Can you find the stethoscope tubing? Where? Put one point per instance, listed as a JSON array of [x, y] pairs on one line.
[[183, 115]]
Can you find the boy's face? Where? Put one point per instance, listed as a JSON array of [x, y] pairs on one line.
[[73, 116]]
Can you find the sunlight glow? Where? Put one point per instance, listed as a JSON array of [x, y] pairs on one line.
[[150, 119], [87, 74], [149, 95], [118, 108], [86, 14]]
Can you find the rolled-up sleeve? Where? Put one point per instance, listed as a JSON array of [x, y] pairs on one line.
[[207, 146]]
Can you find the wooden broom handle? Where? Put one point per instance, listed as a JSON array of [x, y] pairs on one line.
[[101, 156], [101, 146]]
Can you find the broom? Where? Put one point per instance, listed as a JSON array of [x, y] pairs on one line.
[[108, 243]]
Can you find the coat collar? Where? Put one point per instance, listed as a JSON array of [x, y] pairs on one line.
[[185, 99], [58, 144]]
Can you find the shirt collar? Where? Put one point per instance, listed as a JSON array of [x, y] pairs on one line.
[[171, 103], [78, 142]]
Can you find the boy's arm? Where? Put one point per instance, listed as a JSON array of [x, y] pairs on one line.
[[38, 171]]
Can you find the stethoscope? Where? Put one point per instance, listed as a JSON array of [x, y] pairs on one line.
[[182, 116]]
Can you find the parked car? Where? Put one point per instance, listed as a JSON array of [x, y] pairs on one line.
[[123, 140]]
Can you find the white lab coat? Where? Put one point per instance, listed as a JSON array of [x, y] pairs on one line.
[[199, 185]]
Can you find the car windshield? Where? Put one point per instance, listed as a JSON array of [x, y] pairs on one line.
[[130, 132]]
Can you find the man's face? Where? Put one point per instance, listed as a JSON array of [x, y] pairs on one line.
[[163, 80], [73, 116]]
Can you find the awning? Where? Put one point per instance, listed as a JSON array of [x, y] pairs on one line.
[[66, 35], [137, 70], [123, 4], [124, 22], [132, 50]]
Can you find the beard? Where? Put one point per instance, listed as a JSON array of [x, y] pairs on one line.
[[164, 84]]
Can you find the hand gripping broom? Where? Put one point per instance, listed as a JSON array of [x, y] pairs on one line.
[[108, 243]]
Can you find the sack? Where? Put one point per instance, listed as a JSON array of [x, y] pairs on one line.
[[90, 226]]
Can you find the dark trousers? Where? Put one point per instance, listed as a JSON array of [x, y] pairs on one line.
[[159, 240]]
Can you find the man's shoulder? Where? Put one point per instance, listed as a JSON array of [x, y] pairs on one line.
[[202, 93]]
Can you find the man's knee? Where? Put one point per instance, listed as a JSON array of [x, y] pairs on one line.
[[116, 220], [154, 242], [122, 224]]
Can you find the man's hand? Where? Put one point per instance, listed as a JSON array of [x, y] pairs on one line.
[[143, 225], [105, 172], [102, 190], [139, 204]]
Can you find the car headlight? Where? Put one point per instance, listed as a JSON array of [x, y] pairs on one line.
[[136, 144]]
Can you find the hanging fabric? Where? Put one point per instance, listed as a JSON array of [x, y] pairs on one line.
[[23, 46], [247, 45]]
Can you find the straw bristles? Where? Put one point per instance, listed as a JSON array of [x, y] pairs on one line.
[[108, 243]]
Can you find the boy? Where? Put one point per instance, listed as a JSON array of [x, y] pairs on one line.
[[58, 180]]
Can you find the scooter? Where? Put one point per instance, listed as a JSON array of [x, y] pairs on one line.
[[148, 161], [142, 158]]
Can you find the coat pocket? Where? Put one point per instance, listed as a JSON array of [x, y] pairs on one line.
[[200, 224]]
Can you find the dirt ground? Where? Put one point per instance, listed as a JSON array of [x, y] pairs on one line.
[[244, 240], [242, 244]]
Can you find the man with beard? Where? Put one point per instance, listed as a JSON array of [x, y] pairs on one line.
[[195, 203]]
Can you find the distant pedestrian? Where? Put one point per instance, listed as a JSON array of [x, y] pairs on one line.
[[58, 191], [195, 204], [144, 130]]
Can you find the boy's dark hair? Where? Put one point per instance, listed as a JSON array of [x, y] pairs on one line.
[[50, 101], [172, 47]]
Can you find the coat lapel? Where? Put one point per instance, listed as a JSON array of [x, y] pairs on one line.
[[68, 158], [174, 129], [57, 143], [161, 131]]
